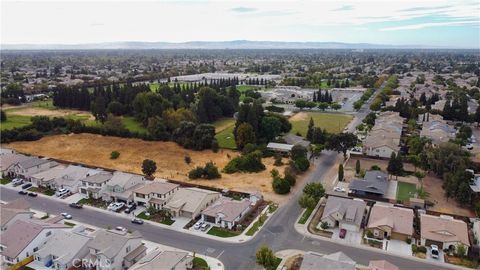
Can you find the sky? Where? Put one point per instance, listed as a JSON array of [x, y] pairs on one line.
[[401, 22]]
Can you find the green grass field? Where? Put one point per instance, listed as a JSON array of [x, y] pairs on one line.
[[226, 139], [405, 191], [221, 232], [15, 121], [305, 216], [133, 125], [332, 122]]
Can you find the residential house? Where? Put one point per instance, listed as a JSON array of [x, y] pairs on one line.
[[382, 265], [63, 250], [18, 209], [345, 213], [226, 212], [71, 177], [23, 238], [437, 130], [113, 250], [8, 159], [374, 183], [443, 231], [282, 148], [47, 178], [94, 185], [384, 138], [121, 186], [29, 166], [167, 259], [189, 202], [155, 194], [334, 261], [390, 221]]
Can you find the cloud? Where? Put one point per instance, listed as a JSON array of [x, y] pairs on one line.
[[96, 24], [425, 8], [344, 8], [243, 9], [427, 25]]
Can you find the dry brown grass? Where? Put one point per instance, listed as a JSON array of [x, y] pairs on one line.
[[95, 150], [33, 111]]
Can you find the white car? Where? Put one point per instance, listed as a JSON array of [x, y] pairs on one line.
[[17, 181], [120, 228], [434, 252], [339, 189], [66, 215], [61, 192], [116, 206], [198, 225]]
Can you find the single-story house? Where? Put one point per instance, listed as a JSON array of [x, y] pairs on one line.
[[443, 231], [390, 221], [226, 212], [121, 186], [71, 177], [47, 177], [189, 202], [280, 147], [94, 185], [382, 265], [374, 183], [176, 260], [18, 209], [345, 213], [155, 194], [334, 261], [62, 249]]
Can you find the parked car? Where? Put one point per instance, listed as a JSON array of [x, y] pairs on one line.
[[76, 205], [62, 192], [198, 225], [17, 182], [32, 194], [116, 206], [342, 233], [22, 192], [137, 221], [27, 186], [130, 208], [205, 226], [339, 189], [120, 228], [434, 252], [66, 215]]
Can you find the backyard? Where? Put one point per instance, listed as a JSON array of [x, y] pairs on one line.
[[332, 122], [405, 191]]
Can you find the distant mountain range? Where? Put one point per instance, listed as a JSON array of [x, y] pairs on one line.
[[208, 45]]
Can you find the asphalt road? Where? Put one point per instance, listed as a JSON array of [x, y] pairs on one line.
[[278, 233]]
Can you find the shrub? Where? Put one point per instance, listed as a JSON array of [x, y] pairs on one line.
[[375, 168], [324, 225], [422, 249], [289, 177], [196, 173], [302, 164], [307, 201], [278, 160], [369, 234], [215, 146], [251, 162], [3, 116], [414, 248], [114, 155], [408, 240], [210, 171], [280, 186], [188, 159]]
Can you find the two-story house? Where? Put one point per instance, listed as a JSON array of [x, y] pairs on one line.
[[72, 176], [27, 167], [94, 185], [121, 186], [154, 194]]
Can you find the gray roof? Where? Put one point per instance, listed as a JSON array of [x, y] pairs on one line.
[[64, 245], [32, 162], [98, 178], [167, 259], [6, 160], [335, 261], [349, 209], [373, 182], [280, 146], [227, 209], [296, 140], [110, 243]]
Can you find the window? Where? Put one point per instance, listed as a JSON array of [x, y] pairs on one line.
[[128, 249], [49, 233], [35, 249]]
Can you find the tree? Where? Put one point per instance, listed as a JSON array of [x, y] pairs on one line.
[[315, 190], [244, 135], [301, 164], [42, 123], [335, 106], [114, 155], [157, 129], [265, 257], [340, 172], [99, 109], [323, 106], [270, 127], [310, 130], [461, 251], [298, 151], [280, 185], [211, 171], [3, 116], [342, 142], [149, 167], [307, 201], [395, 164], [357, 167]]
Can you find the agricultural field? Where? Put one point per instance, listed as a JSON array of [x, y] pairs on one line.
[[170, 159], [224, 133], [332, 122]]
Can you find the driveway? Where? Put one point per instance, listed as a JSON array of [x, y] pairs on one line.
[[392, 190], [351, 238], [399, 247], [75, 197], [441, 258]]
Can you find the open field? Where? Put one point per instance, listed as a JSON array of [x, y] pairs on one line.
[[223, 124], [224, 130], [15, 121], [95, 150], [133, 125], [332, 122]]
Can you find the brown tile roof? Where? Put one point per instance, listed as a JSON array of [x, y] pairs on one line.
[[229, 209], [157, 187], [444, 229], [397, 218], [382, 265]]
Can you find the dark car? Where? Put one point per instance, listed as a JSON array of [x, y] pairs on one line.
[[76, 205], [22, 192], [32, 194], [27, 185], [130, 208], [137, 221], [342, 233]]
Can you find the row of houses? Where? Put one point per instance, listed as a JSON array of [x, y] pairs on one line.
[[116, 186], [387, 221], [51, 244], [384, 138], [339, 261]]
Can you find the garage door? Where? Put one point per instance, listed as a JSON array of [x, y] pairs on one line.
[[349, 227], [431, 242]]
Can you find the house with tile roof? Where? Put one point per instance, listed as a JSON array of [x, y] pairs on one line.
[[345, 213], [226, 212], [94, 185], [18, 209], [189, 202], [155, 194], [122, 186], [29, 166], [177, 260], [382, 265], [443, 231], [390, 221], [337, 261]]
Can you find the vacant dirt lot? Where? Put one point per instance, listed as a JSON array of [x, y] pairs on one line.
[[95, 150], [33, 111]]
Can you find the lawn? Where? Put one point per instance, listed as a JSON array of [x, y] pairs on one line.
[[4, 181], [305, 216], [43, 190], [244, 88], [332, 122], [133, 125], [222, 124], [253, 229], [200, 263], [226, 139], [221, 232], [276, 263], [15, 121], [405, 191]]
